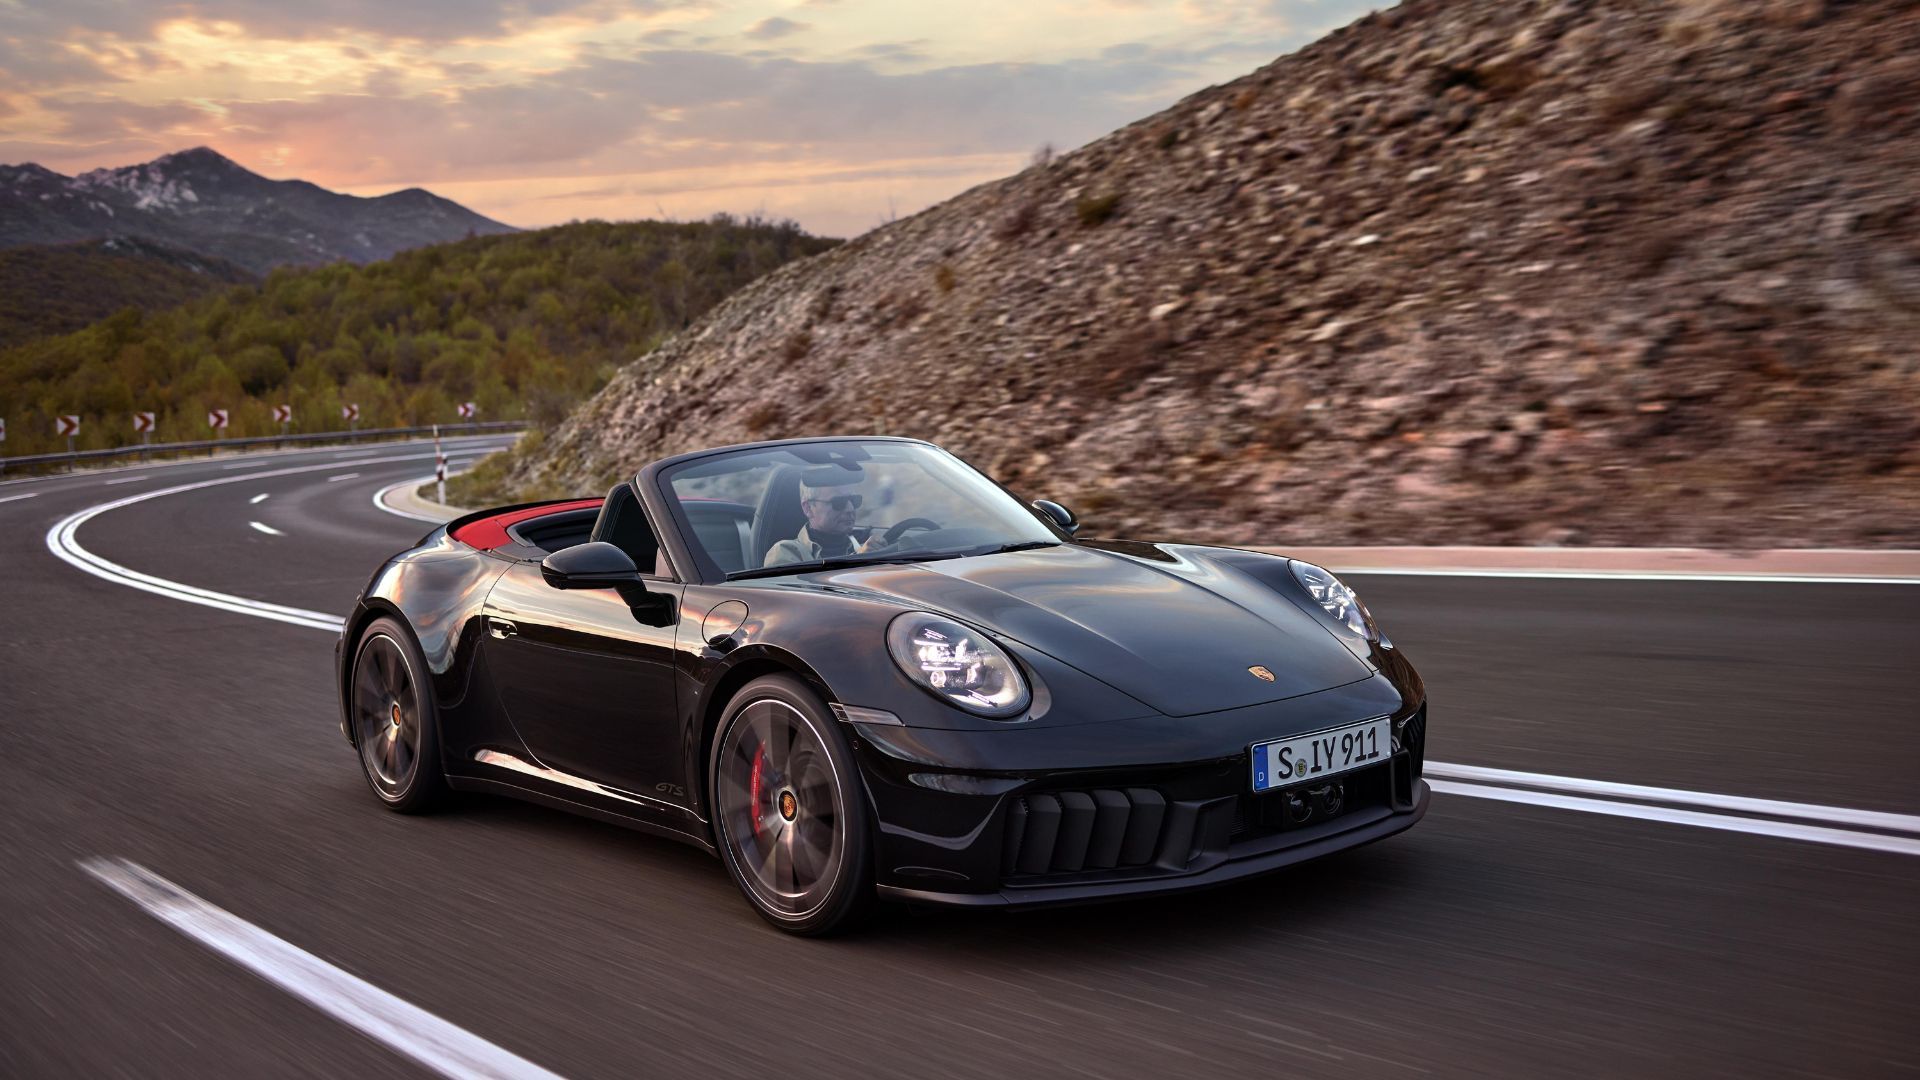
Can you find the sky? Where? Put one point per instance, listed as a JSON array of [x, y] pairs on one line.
[[839, 114]]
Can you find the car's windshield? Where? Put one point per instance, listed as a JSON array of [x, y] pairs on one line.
[[772, 510]]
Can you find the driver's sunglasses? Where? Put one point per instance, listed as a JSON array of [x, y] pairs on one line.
[[841, 502]]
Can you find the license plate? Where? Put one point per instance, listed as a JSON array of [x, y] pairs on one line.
[[1324, 753]]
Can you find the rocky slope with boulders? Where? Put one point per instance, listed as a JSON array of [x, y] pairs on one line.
[[1466, 271]]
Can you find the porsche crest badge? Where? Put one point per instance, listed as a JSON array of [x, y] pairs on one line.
[[1261, 673]]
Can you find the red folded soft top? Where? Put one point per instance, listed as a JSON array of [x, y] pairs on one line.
[[490, 532]]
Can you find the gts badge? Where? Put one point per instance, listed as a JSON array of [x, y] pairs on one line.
[[671, 790]]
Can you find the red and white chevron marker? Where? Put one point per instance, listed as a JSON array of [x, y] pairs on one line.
[[217, 419], [66, 425], [282, 413], [349, 412], [467, 411], [3, 429], [142, 422]]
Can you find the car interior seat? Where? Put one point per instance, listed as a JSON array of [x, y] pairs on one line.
[[778, 516]]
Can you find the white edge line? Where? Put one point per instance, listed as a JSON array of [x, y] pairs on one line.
[[401, 1025], [60, 541], [129, 479], [380, 501], [1873, 819], [343, 476], [17, 498], [268, 529], [1630, 575], [1819, 834]]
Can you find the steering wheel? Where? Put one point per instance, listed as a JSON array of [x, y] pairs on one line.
[[892, 535]]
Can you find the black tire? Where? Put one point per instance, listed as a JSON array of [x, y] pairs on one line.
[[395, 721], [794, 831]]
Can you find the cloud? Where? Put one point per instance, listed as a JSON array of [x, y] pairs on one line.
[[774, 28], [419, 20], [108, 119]]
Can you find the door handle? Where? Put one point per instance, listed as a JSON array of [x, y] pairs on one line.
[[501, 628]]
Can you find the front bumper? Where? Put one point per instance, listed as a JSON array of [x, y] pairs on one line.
[[1338, 834], [995, 820]]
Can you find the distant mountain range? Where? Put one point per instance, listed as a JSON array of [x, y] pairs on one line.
[[199, 201]]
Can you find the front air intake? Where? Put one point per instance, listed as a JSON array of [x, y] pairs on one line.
[[1065, 832]]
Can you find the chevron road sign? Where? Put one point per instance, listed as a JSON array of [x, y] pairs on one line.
[[143, 422]]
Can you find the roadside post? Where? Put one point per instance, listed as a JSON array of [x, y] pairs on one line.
[[439, 466], [217, 420], [283, 415], [143, 424], [3, 438], [469, 412], [351, 414]]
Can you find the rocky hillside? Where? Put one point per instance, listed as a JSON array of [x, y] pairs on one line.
[[1487, 271], [59, 288], [200, 201]]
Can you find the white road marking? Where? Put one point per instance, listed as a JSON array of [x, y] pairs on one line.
[[17, 498], [241, 465], [352, 453], [342, 476], [130, 479], [380, 500], [1819, 834], [260, 498], [1839, 815], [401, 1025], [61, 541], [1607, 575], [268, 529]]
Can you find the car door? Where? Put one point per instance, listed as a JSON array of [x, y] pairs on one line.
[[587, 677]]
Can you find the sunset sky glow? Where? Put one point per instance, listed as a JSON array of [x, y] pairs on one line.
[[837, 113]]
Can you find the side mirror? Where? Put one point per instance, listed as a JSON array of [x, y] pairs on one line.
[[595, 565], [1059, 515]]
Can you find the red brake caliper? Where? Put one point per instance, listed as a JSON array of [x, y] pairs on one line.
[[753, 792]]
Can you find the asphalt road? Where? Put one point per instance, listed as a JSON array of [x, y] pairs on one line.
[[1493, 938]]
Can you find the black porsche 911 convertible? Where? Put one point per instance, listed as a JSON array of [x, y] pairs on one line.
[[857, 669]]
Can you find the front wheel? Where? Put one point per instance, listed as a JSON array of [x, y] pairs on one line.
[[395, 724], [790, 813]]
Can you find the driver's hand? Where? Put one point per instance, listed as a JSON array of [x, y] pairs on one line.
[[861, 547]]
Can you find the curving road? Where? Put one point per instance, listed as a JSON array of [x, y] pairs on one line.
[[1524, 928]]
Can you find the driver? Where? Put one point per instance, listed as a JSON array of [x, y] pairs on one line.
[[829, 530]]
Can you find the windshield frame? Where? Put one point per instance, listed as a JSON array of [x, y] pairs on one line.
[[655, 487]]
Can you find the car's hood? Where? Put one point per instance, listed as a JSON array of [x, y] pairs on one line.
[[1179, 637]]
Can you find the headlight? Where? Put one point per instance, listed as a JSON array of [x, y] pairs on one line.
[[957, 664], [1341, 603]]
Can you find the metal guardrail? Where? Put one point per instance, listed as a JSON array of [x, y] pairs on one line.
[[145, 451]]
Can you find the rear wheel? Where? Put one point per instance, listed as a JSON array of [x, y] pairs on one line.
[[790, 812], [394, 719]]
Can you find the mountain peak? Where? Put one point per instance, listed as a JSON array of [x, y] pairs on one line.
[[199, 157]]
